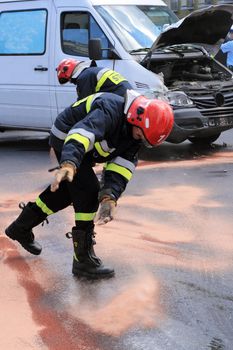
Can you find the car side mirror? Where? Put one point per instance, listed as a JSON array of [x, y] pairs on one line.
[[94, 49]]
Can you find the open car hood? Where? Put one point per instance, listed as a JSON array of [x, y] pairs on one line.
[[206, 27]]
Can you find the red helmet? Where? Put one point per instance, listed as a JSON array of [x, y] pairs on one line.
[[65, 69], [154, 117]]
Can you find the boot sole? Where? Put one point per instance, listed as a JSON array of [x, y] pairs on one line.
[[32, 251], [79, 273]]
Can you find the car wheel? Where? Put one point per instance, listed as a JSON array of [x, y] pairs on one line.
[[204, 140]]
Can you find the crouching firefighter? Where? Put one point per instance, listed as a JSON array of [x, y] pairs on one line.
[[102, 128]]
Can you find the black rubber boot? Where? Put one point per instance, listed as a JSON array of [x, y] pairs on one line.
[[85, 262], [21, 229]]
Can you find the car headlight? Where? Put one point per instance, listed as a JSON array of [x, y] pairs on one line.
[[159, 95], [178, 99]]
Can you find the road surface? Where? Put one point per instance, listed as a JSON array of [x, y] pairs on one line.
[[170, 244]]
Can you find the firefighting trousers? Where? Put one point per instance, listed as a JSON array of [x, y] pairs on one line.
[[82, 193]]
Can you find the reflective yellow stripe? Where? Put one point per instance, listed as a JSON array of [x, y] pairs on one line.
[[100, 150], [88, 100], [88, 103], [84, 216], [115, 77], [43, 207], [120, 170], [82, 139], [75, 257], [79, 102]]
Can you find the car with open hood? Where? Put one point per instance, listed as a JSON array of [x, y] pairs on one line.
[[183, 56], [141, 39]]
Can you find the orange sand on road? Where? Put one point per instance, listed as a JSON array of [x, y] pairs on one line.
[[136, 238]]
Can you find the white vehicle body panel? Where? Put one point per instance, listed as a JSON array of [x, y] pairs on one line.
[[30, 95]]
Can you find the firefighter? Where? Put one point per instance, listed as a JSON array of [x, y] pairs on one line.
[[90, 79], [227, 48], [101, 128]]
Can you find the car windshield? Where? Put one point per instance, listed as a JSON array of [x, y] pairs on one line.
[[136, 26]]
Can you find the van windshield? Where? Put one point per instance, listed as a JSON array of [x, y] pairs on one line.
[[136, 26]]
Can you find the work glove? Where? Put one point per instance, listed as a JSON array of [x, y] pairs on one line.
[[66, 172], [106, 211]]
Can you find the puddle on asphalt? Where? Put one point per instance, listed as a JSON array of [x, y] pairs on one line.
[[136, 304]]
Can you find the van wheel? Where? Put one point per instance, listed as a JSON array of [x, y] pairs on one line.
[[204, 140]]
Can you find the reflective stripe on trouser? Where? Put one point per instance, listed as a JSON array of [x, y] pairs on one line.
[[43, 206], [82, 192], [84, 216]]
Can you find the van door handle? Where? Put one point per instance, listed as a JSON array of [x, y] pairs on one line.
[[43, 69]]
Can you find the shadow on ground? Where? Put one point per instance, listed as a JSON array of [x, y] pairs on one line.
[[183, 151]]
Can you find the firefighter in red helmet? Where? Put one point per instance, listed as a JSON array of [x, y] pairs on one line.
[[66, 68], [90, 79], [102, 128]]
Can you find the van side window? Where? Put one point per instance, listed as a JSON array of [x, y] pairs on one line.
[[23, 32], [76, 30]]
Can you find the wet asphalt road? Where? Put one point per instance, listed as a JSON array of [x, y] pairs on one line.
[[171, 245]]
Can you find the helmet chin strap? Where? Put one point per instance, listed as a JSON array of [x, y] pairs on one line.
[[129, 98], [147, 144]]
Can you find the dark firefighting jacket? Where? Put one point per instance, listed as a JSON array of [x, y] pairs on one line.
[[95, 128], [99, 79]]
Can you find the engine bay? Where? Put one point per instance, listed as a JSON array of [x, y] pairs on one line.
[[184, 72]]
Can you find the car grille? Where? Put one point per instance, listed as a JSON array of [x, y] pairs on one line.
[[223, 112], [204, 99]]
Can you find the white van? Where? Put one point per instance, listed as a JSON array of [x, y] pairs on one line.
[[35, 35]]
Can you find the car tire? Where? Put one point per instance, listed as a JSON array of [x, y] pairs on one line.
[[204, 140]]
